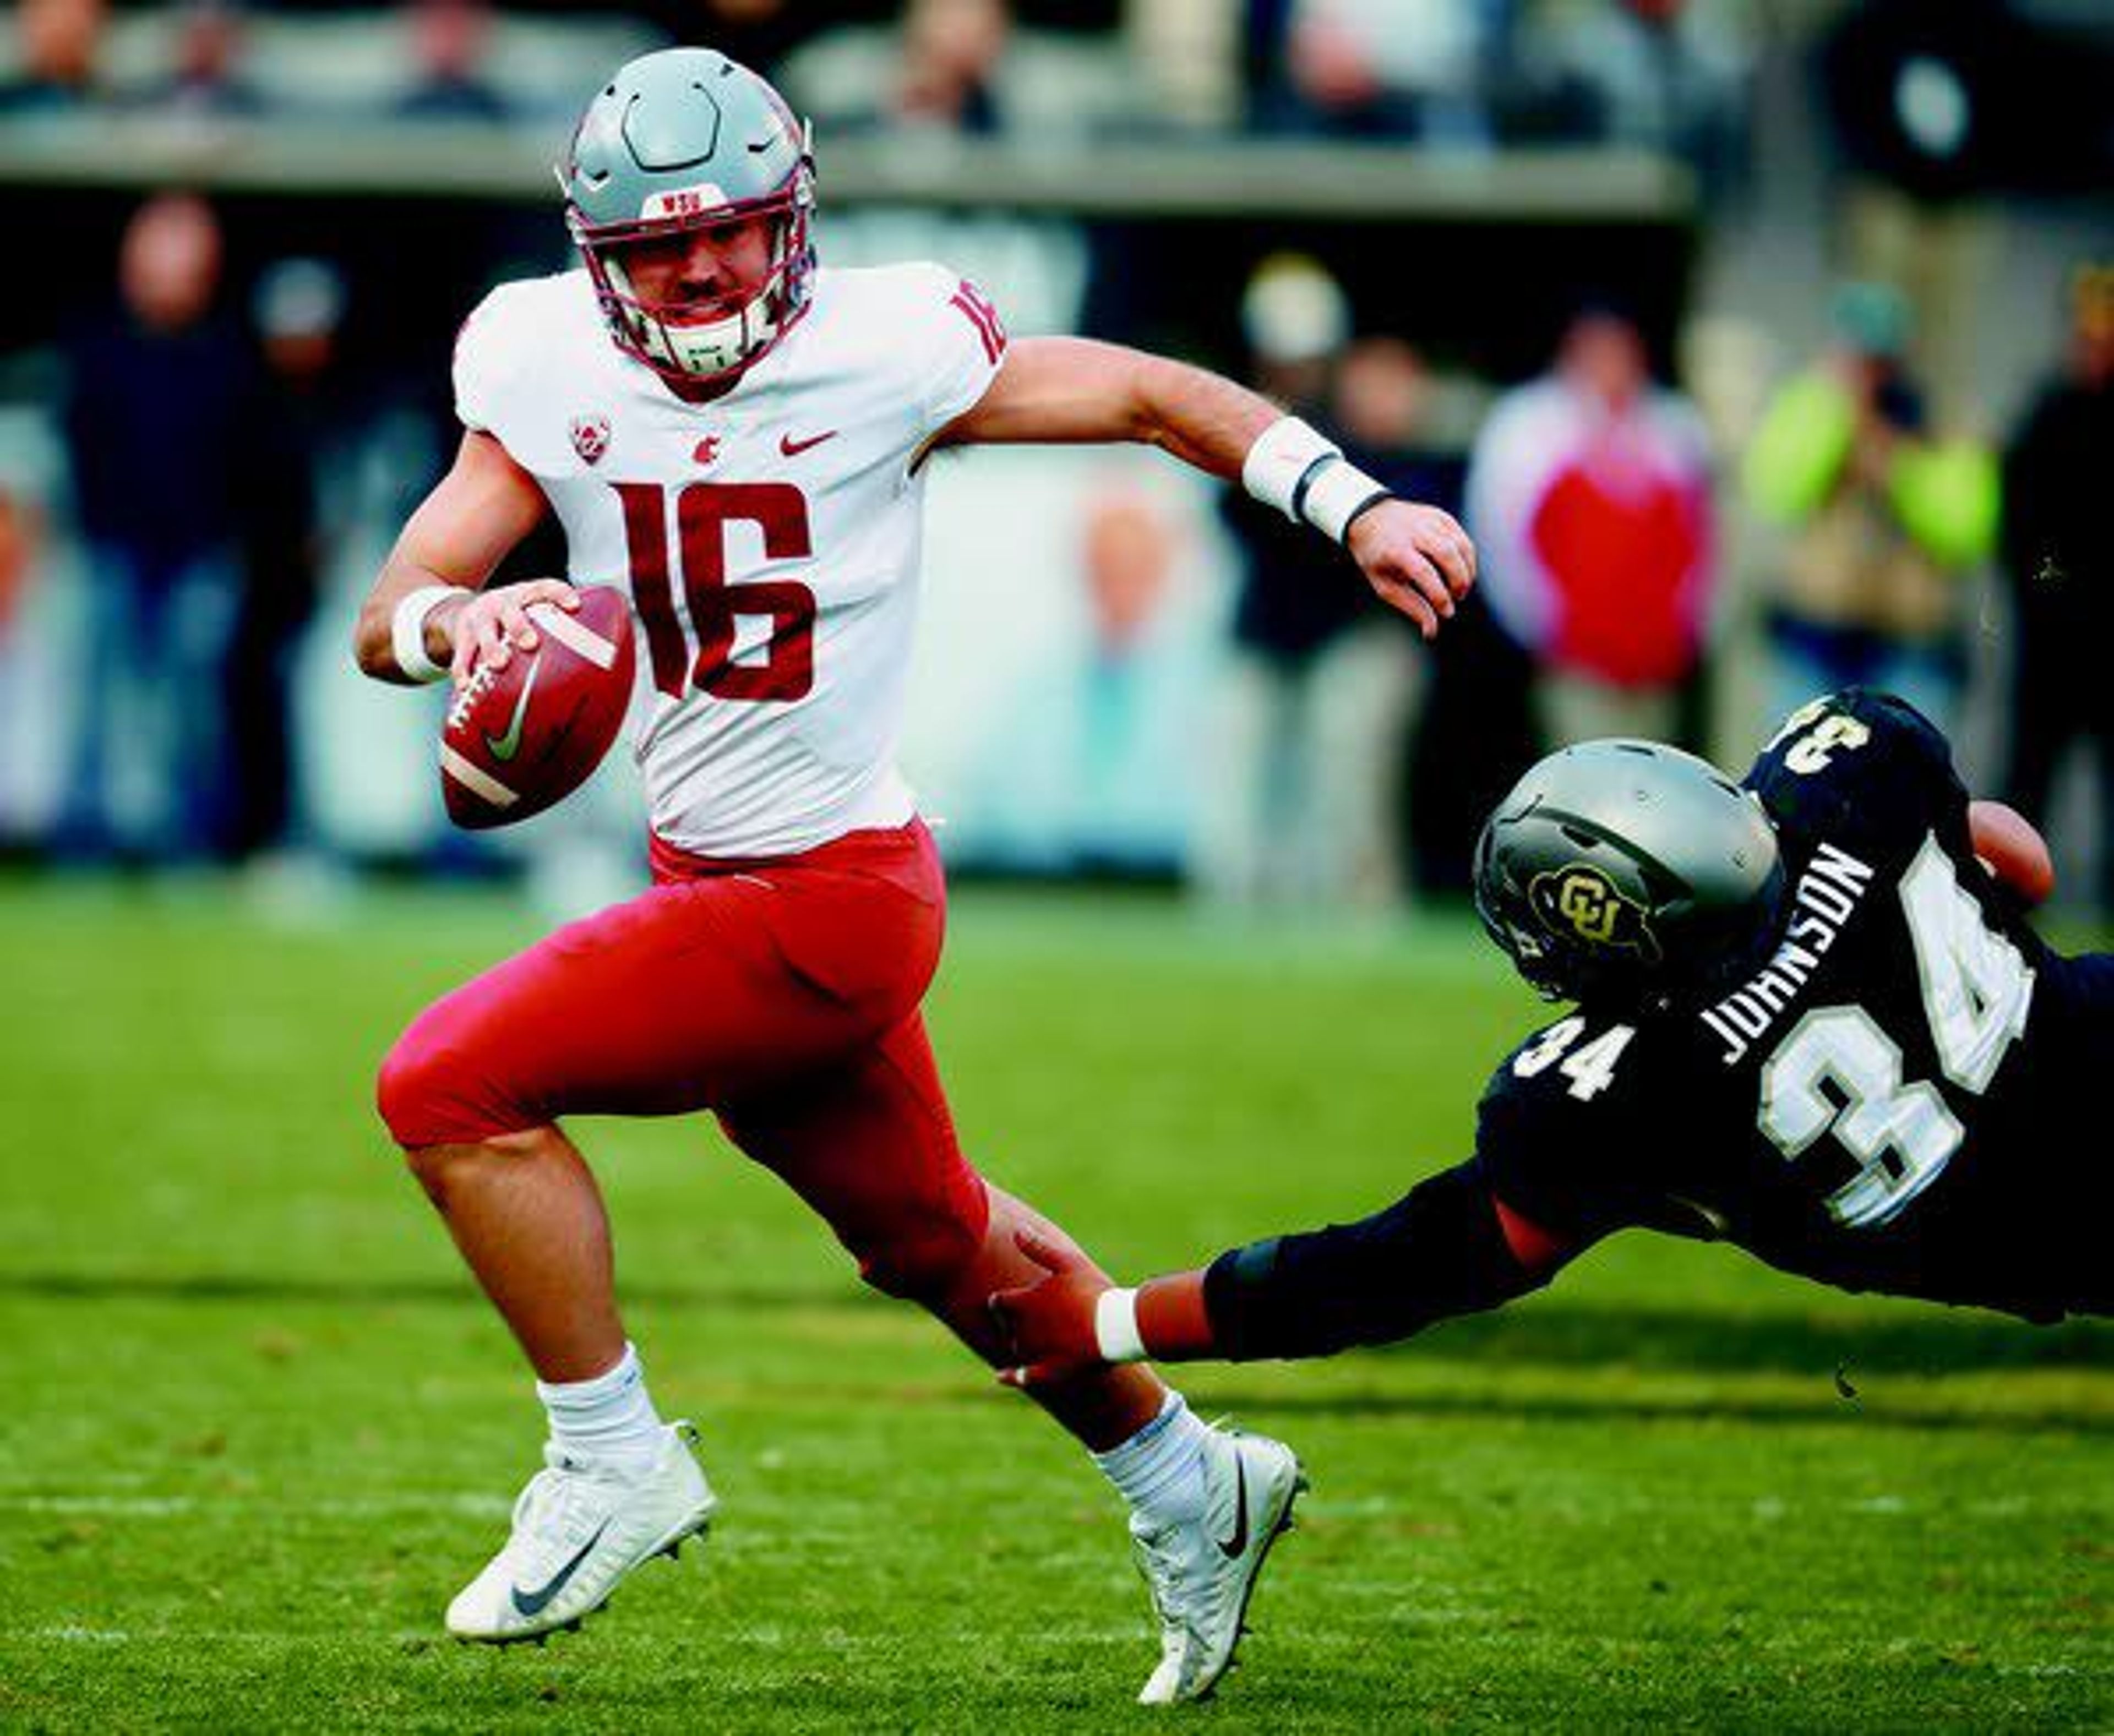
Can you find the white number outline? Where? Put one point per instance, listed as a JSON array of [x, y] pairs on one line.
[[1976, 993]]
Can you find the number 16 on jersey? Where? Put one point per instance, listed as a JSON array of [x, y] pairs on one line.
[[785, 672]]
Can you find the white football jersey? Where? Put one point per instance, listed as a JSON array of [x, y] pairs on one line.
[[770, 540]]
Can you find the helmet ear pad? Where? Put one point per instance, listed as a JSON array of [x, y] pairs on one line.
[[1630, 869]]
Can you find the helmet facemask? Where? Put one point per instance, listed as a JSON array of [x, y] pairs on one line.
[[704, 352], [677, 142]]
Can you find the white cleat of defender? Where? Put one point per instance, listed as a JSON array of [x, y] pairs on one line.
[[1202, 1575], [578, 1529]]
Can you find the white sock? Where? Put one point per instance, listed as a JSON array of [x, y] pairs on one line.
[[1159, 1470], [609, 1419]]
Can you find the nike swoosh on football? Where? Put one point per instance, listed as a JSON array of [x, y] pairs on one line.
[[792, 448], [532, 1603], [1231, 1548], [505, 747]]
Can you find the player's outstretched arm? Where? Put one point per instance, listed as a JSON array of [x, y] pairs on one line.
[[1068, 389], [424, 613], [2007, 845], [1446, 1248]]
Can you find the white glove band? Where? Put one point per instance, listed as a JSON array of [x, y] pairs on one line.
[[1336, 495], [1115, 1327], [1284, 454], [407, 631]]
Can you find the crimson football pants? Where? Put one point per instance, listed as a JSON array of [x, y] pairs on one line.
[[782, 993]]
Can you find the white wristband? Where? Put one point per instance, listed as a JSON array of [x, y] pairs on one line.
[[1115, 1327], [407, 631], [1283, 456], [1295, 469], [1336, 494]]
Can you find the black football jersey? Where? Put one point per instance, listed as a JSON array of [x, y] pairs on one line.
[[1898, 1101]]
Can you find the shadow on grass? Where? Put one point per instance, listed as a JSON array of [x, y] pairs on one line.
[[1549, 1332], [1878, 1408], [1882, 1357]]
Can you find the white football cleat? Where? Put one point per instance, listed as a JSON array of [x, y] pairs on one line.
[[578, 1528], [1201, 1573]]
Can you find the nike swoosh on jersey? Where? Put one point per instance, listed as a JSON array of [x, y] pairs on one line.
[[505, 747], [1230, 1547], [792, 448], [532, 1603]]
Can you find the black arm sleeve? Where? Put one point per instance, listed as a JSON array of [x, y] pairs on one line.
[[1437, 1251]]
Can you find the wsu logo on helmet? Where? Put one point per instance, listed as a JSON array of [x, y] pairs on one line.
[[590, 437], [1579, 902]]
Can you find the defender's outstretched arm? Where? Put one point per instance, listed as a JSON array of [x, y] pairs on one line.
[[1447, 1247]]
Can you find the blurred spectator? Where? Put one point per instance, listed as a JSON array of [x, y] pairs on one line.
[[33, 561], [1375, 67], [947, 77], [1590, 498], [2058, 542], [158, 434], [759, 33], [57, 45], [1666, 75], [1885, 520], [299, 308], [449, 39], [1917, 92], [207, 80], [1097, 773], [1319, 683], [21, 531]]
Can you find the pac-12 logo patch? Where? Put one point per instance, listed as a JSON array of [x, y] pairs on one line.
[[1580, 902], [590, 437]]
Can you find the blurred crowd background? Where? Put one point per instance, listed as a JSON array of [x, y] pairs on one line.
[[1764, 346]]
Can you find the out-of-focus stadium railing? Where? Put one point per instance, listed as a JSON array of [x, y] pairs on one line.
[[1217, 179]]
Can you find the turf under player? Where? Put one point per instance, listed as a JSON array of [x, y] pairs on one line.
[[736, 437], [1811, 1020]]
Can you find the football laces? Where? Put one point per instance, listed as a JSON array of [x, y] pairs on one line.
[[467, 696]]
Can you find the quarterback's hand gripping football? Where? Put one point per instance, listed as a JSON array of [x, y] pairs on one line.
[[1048, 1325], [492, 625], [1417, 558]]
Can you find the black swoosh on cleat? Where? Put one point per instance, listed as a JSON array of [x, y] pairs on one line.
[[1229, 1547], [532, 1603]]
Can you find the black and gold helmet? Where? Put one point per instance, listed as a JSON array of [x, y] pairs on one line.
[[1630, 869]]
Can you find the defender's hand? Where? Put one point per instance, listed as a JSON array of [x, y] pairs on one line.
[[1417, 558], [486, 631], [1049, 1324]]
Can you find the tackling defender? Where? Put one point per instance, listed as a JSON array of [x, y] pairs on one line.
[[1811, 1020], [736, 437]]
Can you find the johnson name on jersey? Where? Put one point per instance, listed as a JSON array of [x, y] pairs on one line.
[[1864, 1108], [769, 539]]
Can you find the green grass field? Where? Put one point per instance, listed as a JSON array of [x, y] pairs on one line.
[[257, 1426]]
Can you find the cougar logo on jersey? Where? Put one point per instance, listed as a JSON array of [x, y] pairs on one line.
[[1582, 901], [590, 437]]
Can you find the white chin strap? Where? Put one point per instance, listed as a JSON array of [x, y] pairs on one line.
[[700, 350]]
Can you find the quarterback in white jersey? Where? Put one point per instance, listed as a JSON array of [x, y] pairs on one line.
[[806, 483], [736, 437]]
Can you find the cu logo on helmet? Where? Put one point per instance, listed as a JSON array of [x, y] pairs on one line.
[[1580, 901]]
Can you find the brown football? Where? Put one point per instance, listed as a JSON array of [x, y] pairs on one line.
[[520, 738]]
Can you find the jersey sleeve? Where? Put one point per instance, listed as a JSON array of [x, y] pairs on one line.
[[1555, 1135], [957, 342], [479, 369], [1863, 763]]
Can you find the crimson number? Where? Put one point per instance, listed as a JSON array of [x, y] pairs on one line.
[[703, 510]]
